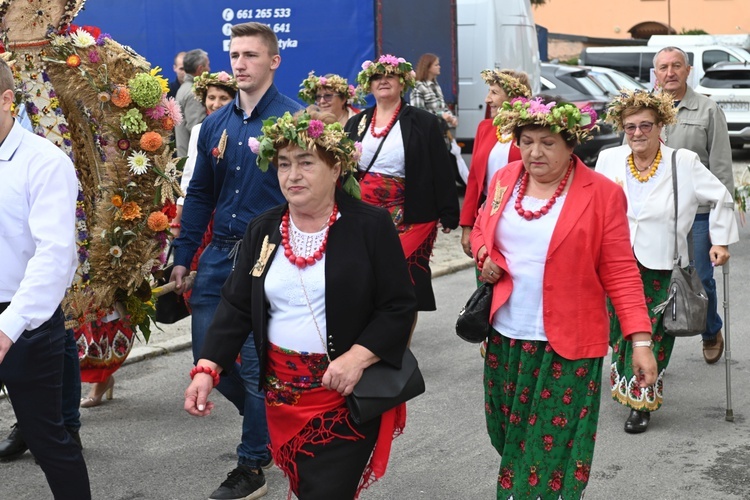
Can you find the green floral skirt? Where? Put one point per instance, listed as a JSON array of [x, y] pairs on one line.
[[542, 411], [624, 386]]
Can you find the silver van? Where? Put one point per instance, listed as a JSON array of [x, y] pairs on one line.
[[638, 61], [491, 36]]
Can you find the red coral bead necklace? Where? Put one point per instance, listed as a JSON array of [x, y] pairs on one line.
[[388, 127], [299, 261], [528, 214]]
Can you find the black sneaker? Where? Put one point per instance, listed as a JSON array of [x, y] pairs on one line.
[[243, 483]]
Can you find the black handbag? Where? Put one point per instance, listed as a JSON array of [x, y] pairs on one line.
[[170, 307], [473, 323], [383, 387], [686, 306]]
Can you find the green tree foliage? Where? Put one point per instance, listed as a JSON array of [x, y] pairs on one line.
[[694, 31]]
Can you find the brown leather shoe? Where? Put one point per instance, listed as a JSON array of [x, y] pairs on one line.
[[713, 348]]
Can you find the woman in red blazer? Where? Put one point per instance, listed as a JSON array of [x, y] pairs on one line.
[[492, 149], [553, 239]]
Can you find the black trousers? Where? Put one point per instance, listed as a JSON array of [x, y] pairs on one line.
[[332, 470], [32, 372]]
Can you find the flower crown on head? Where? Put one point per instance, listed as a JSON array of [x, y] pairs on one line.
[[335, 83], [660, 102], [308, 133], [206, 79], [558, 116], [509, 83], [386, 64]]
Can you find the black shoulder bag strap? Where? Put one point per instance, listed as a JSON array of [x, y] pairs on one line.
[[380, 146]]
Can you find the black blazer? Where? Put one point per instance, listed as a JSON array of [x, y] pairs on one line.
[[369, 296], [430, 192]]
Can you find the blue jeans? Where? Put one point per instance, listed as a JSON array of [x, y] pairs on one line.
[[702, 246], [71, 384], [240, 383]]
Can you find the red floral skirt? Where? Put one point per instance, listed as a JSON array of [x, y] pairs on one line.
[[300, 412], [417, 240]]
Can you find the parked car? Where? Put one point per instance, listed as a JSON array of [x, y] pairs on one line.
[[729, 85], [638, 61], [614, 81], [577, 85]]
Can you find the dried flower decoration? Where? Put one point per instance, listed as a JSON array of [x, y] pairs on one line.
[[335, 83], [386, 64]]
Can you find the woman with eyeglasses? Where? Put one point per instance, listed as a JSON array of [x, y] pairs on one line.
[[643, 168], [331, 93], [405, 166]]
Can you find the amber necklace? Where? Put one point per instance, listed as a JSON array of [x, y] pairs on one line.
[[651, 171], [502, 138]]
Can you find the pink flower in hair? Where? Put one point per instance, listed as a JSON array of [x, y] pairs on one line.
[[223, 76], [323, 81], [254, 145], [357, 154], [537, 108], [352, 90], [315, 129], [388, 59], [366, 64], [588, 110]]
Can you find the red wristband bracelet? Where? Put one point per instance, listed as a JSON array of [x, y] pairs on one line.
[[174, 225], [208, 371]]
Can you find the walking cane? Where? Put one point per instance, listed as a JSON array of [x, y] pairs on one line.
[[727, 345]]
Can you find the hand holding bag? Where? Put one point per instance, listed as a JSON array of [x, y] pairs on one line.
[[473, 323], [170, 307], [383, 387], [686, 306]]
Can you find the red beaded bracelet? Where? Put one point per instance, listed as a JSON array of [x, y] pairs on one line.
[[207, 371], [174, 225]]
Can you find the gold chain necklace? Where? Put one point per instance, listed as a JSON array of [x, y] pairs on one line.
[[651, 172]]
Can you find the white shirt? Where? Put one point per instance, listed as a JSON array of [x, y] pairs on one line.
[[391, 159], [498, 159], [652, 227], [290, 322], [37, 229], [189, 167], [524, 244]]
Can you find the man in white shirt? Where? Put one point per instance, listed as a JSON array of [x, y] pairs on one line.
[[38, 252]]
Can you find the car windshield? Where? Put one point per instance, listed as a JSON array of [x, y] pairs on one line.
[[623, 81], [606, 82], [582, 81], [727, 79]]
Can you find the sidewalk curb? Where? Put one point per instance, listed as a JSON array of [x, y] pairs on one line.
[[148, 351]]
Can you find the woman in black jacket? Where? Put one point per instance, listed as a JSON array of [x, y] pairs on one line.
[[322, 283], [405, 167]]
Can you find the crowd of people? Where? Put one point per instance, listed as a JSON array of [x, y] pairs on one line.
[[283, 205]]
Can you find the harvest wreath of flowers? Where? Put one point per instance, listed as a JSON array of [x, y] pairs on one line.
[[115, 120]]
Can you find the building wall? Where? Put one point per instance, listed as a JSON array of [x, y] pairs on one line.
[[613, 18]]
